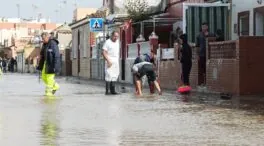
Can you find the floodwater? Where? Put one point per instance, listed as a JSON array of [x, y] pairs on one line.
[[83, 116]]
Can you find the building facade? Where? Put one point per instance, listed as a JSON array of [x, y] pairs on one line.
[[80, 13], [64, 35], [81, 47], [247, 18], [14, 33]]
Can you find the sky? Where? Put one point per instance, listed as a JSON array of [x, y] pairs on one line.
[[31, 8]]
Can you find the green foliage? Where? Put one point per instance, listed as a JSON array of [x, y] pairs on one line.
[[137, 9]]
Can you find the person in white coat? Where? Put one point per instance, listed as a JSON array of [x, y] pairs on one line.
[[111, 54]]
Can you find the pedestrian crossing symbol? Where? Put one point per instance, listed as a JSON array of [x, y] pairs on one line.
[[96, 24]]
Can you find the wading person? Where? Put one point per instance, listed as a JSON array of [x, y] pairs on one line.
[[111, 55], [186, 59], [49, 63], [139, 59], [141, 69]]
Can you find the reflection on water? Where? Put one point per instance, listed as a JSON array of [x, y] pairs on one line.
[[50, 123]]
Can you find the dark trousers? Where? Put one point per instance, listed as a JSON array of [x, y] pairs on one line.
[[186, 70], [202, 71]]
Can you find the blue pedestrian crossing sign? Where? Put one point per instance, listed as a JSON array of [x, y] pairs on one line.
[[96, 24]]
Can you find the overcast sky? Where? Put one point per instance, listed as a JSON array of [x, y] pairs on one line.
[[47, 8]]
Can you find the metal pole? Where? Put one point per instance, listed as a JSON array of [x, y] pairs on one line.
[[104, 38], [154, 25], [22, 62]]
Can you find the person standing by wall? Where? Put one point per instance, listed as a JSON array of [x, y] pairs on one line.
[[219, 35], [1, 66], [201, 43], [111, 54], [49, 63], [186, 59], [4, 64]]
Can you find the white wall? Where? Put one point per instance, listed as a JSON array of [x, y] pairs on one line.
[[240, 6], [64, 40]]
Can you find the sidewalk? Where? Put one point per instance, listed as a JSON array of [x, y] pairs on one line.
[[122, 85], [198, 96]]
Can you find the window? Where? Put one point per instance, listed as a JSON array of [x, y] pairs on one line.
[[243, 23], [258, 21]]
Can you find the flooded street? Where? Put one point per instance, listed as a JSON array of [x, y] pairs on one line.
[[83, 116]]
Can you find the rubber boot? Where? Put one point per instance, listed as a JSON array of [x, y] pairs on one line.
[[48, 92], [112, 88], [107, 85], [56, 87]]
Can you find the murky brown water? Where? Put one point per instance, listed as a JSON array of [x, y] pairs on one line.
[[84, 116]]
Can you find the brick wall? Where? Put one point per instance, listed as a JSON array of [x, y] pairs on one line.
[[222, 72], [85, 68], [75, 67], [236, 66], [223, 75], [170, 71]]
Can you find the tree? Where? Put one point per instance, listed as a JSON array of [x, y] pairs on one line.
[[137, 9]]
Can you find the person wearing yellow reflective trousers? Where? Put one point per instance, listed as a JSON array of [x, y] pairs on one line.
[[1, 73], [49, 63]]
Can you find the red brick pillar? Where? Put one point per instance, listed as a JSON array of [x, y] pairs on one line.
[[154, 42]]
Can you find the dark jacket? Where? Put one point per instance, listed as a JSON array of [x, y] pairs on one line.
[[186, 51], [201, 43], [51, 55]]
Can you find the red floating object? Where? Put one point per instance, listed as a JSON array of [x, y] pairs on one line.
[[184, 89]]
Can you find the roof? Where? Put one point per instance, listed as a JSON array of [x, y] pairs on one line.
[[79, 23], [98, 14], [65, 28]]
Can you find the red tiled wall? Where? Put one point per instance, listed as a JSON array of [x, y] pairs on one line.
[[251, 65]]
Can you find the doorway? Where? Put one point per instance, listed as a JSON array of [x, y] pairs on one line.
[[79, 53], [123, 59]]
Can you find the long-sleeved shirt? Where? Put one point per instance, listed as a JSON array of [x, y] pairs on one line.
[[138, 66]]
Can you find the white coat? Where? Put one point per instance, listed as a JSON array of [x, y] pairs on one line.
[[112, 49]]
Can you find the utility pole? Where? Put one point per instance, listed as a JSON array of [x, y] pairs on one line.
[[18, 10], [35, 10], [57, 11], [75, 4]]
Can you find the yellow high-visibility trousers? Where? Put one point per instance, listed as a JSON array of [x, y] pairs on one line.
[[1, 73], [48, 79]]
